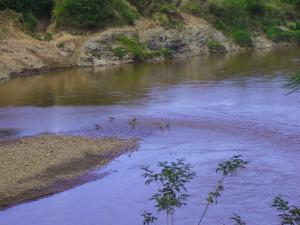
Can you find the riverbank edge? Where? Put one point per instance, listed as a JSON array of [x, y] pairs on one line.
[[22, 55], [35, 72], [82, 167]]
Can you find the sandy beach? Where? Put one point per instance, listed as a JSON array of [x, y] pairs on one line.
[[32, 167]]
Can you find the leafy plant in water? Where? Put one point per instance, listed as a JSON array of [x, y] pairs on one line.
[[148, 218], [227, 169], [172, 179], [237, 220], [289, 215], [294, 83]]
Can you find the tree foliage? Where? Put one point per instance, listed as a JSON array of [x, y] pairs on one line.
[[37, 7]]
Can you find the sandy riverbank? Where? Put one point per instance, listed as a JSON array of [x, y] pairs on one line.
[[33, 167]]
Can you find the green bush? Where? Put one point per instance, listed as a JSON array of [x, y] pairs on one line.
[[297, 36], [133, 46], [276, 34], [165, 52], [119, 52], [242, 38], [194, 8], [141, 5], [39, 8], [297, 25], [83, 13], [256, 7], [124, 12], [94, 13], [231, 13], [61, 45], [48, 36], [215, 46], [29, 21]]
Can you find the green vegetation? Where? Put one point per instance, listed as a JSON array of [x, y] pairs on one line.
[[48, 36], [94, 13], [29, 21], [242, 38], [38, 8], [227, 169], [215, 46], [193, 7], [294, 83], [61, 45], [79, 13], [237, 18], [287, 214], [165, 52], [278, 19], [131, 45], [172, 192], [172, 180], [30, 10]]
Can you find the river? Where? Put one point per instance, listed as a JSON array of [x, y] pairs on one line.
[[204, 109]]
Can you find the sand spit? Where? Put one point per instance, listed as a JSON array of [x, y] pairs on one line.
[[32, 167]]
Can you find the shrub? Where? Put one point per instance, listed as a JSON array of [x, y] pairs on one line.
[[29, 21], [215, 46], [83, 13], [165, 52], [37, 7], [124, 12], [242, 38], [172, 193], [119, 52], [230, 12], [94, 13], [133, 46], [256, 7], [61, 45], [277, 34], [297, 25], [48, 36], [141, 5], [195, 8]]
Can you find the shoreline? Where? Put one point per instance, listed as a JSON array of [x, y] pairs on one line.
[[22, 55], [38, 166], [38, 72]]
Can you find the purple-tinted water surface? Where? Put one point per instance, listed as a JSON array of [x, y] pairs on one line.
[[216, 107]]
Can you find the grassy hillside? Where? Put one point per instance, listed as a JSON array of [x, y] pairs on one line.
[[239, 19]]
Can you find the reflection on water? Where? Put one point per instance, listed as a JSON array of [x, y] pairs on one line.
[[216, 106], [109, 85], [7, 133]]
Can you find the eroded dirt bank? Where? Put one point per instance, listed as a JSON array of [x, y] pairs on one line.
[[32, 167], [21, 53]]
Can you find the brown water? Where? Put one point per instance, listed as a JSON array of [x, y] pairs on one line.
[[217, 106]]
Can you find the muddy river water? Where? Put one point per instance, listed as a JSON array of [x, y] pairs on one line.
[[204, 109]]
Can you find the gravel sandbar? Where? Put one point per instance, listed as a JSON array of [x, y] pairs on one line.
[[32, 167]]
